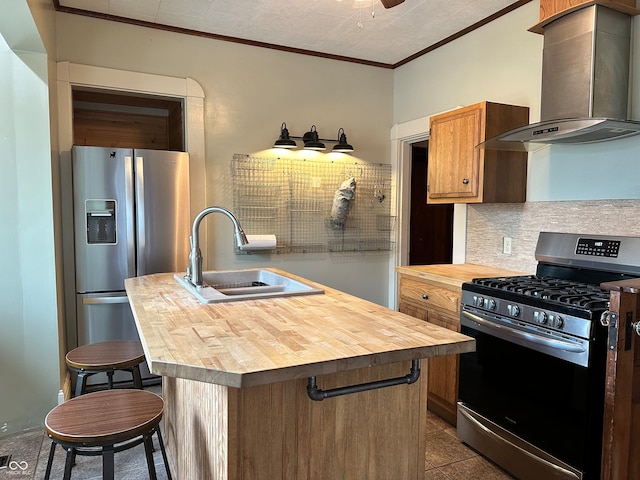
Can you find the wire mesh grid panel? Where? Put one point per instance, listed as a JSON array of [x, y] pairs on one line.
[[314, 205]]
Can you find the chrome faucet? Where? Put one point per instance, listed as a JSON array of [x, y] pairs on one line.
[[194, 271]]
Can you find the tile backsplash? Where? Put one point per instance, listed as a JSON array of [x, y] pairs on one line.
[[488, 224]]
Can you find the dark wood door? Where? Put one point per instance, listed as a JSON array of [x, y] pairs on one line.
[[621, 436], [431, 227]]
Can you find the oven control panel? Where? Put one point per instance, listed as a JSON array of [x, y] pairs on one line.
[[503, 311], [598, 248]]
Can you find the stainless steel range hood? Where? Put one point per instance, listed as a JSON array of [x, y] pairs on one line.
[[585, 83]]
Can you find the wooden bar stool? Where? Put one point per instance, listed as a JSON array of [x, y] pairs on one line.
[[113, 420], [106, 357]]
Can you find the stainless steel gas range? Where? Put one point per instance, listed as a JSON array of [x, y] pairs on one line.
[[531, 397]]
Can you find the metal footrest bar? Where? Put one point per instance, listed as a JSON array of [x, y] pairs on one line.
[[318, 394]]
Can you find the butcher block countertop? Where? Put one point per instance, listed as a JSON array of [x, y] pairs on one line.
[[258, 342], [454, 274]]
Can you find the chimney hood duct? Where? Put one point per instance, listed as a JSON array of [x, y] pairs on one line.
[[585, 83]]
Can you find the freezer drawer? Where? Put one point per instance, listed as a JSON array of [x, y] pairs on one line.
[[103, 317]]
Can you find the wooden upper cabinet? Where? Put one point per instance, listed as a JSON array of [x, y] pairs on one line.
[[458, 172], [553, 9]]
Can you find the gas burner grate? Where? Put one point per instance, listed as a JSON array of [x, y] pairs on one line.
[[554, 290]]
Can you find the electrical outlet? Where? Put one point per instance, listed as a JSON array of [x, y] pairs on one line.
[[506, 245]]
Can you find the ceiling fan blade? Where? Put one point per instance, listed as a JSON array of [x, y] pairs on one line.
[[391, 3]]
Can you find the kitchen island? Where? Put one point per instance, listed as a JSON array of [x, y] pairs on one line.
[[235, 381]]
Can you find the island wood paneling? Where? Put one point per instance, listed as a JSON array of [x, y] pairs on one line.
[[276, 432]]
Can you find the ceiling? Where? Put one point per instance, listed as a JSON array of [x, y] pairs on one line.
[[361, 31]]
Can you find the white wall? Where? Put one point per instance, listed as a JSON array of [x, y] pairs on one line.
[[502, 62], [29, 377], [249, 92]]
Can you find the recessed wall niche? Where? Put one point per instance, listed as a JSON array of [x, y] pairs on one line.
[[107, 119]]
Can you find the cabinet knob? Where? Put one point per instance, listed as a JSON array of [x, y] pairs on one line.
[[465, 181], [425, 296]]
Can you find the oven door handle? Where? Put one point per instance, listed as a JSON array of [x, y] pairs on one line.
[[531, 337]]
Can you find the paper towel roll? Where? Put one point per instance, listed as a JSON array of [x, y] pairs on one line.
[[260, 242]]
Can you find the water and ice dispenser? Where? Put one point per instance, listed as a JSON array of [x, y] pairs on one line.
[[101, 221]]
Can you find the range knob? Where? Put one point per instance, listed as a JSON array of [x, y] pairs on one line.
[[556, 321], [513, 310], [541, 317], [479, 301], [490, 304]]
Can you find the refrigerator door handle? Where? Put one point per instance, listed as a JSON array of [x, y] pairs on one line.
[[104, 300], [140, 212], [130, 213]]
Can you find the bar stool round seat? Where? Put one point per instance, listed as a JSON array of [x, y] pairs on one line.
[[106, 357], [112, 420]]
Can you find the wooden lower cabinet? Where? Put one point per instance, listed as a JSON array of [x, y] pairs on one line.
[[440, 305], [442, 393]]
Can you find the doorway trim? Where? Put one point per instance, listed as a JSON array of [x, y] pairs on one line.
[[403, 135], [73, 74], [70, 75]]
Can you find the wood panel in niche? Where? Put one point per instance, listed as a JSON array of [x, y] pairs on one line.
[[121, 120]]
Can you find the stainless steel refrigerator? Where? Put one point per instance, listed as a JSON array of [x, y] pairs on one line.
[[131, 218]]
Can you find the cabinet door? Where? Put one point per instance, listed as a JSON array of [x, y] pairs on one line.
[[410, 309], [454, 163], [443, 375]]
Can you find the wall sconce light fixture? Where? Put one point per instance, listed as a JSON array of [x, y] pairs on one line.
[[342, 145], [284, 141], [311, 140]]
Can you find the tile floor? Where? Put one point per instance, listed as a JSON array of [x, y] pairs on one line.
[[446, 459]]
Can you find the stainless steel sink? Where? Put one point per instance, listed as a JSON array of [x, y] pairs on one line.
[[251, 284]]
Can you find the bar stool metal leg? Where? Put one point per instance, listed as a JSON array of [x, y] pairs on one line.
[[148, 451], [110, 379], [81, 382], [52, 452], [137, 377], [68, 464], [164, 453], [107, 462]]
